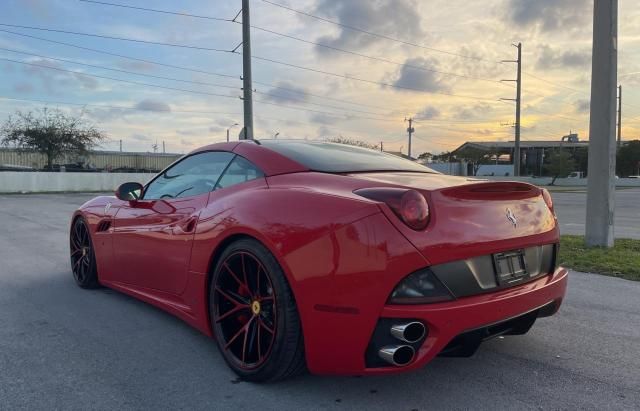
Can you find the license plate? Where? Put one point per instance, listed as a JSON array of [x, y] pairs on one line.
[[510, 266]]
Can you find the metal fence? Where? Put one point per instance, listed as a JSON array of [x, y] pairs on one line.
[[95, 160]]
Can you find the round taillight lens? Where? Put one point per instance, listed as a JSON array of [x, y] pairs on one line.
[[414, 210]]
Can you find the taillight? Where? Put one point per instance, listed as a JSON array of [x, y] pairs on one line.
[[409, 205], [547, 199]]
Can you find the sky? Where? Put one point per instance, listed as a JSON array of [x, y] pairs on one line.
[[438, 62]]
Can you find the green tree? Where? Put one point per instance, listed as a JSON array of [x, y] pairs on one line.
[[50, 132], [475, 156], [628, 159], [560, 163], [425, 156]]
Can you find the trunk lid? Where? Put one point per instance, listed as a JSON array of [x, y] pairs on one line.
[[471, 217]]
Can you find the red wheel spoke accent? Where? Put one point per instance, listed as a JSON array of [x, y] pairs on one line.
[[244, 271], [266, 327], [236, 335], [235, 277], [235, 300], [259, 341], [247, 332], [232, 311], [247, 326]]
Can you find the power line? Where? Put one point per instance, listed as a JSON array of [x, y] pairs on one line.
[[179, 80], [288, 36], [155, 10], [122, 55], [118, 80], [382, 36], [190, 69], [380, 59], [102, 36], [257, 58], [316, 104], [347, 77], [117, 107], [119, 70], [553, 83]]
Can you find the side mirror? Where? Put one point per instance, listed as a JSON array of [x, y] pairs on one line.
[[129, 191]]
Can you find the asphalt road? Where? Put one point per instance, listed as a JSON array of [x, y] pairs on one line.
[[66, 348], [571, 208]]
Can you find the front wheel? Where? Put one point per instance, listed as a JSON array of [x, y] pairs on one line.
[[83, 258], [254, 315]]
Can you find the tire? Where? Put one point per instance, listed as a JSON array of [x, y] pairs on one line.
[[82, 254], [248, 296]]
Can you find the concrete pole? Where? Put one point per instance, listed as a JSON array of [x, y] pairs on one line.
[[227, 135], [602, 125], [247, 84], [516, 163]]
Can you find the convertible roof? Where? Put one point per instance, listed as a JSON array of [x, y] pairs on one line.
[[270, 162]]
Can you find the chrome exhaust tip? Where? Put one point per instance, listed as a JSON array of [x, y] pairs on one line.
[[398, 355], [410, 332]]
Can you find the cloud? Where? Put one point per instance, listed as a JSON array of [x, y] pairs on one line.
[[56, 78], [428, 113], [549, 15], [23, 88], [152, 105], [292, 94], [322, 119], [135, 65], [397, 18], [87, 82], [140, 137], [582, 105], [412, 78], [479, 110], [550, 58]]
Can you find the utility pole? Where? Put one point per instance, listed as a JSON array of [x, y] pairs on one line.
[[518, 100], [410, 130], [121, 145], [163, 148], [602, 126], [381, 146], [247, 85], [619, 115]]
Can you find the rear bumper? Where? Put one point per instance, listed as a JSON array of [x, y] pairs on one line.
[[445, 321]]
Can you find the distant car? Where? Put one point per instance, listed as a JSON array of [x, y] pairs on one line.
[[633, 177], [336, 258]]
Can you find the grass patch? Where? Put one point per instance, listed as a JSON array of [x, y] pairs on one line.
[[623, 260]]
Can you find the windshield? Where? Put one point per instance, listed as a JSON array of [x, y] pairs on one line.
[[341, 158]]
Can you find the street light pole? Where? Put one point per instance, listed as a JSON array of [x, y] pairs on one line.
[[229, 128]]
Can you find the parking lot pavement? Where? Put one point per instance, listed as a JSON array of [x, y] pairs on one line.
[[571, 208], [66, 348]]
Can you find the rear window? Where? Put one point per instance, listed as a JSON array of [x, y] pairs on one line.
[[341, 158]]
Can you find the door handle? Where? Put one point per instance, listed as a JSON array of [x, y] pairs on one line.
[[189, 225]]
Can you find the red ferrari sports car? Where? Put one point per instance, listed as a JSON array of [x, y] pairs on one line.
[[334, 258]]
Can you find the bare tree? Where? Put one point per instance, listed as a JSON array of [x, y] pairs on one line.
[[50, 132], [353, 142]]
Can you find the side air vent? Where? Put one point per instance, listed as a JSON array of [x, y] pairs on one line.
[[103, 225]]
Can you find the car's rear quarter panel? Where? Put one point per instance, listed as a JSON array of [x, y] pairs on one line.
[[342, 257]]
